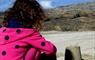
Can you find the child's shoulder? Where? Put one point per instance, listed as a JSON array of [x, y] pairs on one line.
[[27, 30]]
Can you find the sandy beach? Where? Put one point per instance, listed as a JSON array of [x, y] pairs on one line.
[[85, 39]]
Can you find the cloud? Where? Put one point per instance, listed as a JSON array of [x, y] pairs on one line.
[[6, 4], [46, 4]]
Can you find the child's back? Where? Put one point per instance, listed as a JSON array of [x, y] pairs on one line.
[[16, 42], [19, 36]]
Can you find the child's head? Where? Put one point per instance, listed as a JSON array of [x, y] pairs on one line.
[[28, 12]]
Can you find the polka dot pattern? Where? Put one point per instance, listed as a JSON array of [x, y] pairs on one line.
[[18, 31], [3, 53], [42, 43], [17, 46], [4, 30], [20, 40], [6, 37], [40, 35]]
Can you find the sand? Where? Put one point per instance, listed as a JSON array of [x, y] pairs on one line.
[[85, 39]]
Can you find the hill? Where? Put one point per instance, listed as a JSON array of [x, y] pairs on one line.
[[78, 17]]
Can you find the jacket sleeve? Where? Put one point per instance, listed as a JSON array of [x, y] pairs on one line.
[[40, 43], [31, 54]]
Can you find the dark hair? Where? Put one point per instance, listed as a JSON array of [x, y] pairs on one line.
[[29, 12]]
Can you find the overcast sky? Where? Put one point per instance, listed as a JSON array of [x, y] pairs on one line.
[[5, 4]]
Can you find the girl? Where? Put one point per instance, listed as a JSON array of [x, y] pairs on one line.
[[19, 36]]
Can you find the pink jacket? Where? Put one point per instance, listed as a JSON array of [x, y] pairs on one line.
[[23, 44]]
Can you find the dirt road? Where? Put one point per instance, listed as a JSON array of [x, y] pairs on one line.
[[86, 41]]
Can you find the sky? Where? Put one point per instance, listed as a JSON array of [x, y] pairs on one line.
[[6, 4]]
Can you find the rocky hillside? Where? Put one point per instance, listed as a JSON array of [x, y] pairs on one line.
[[80, 17]]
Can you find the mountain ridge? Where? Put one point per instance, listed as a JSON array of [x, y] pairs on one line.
[[79, 17]]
